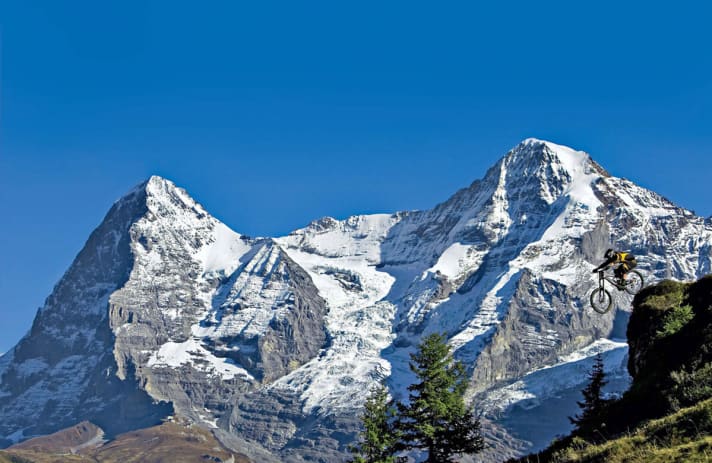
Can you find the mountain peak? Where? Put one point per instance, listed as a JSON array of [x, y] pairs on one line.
[[539, 143], [538, 168], [159, 193], [533, 141], [537, 147], [571, 160], [157, 185], [158, 180]]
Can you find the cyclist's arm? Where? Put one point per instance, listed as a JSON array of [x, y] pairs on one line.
[[604, 265]]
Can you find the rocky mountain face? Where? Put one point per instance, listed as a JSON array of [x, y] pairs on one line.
[[62, 371], [273, 343]]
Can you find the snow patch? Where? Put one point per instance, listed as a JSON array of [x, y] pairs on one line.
[[569, 372], [582, 199], [456, 260], [359, 236], [224, 252], [174, 354], [252, 299], [213, 423], [488, 316]]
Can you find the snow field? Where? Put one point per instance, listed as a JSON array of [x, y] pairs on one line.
[[571, 371], [359, 323], [174, 354]]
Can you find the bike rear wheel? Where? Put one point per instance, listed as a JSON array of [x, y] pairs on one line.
[[634, 282], [601, 300]]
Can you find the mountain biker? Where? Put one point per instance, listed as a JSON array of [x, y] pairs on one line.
[[625, 259]]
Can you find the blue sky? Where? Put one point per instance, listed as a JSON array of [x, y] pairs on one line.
[[276, 113]]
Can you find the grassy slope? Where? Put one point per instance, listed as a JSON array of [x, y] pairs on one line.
[[685, 436], [8, 458], [29, 456]]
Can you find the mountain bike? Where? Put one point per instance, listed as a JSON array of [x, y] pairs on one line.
[[601, 299]]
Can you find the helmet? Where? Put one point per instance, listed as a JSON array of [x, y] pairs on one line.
[[609, 253]]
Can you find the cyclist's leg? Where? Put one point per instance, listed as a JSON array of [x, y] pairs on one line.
[[630, 265], [622, 270], [618, 273]]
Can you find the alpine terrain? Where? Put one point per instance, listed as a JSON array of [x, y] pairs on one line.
[[273, 343]]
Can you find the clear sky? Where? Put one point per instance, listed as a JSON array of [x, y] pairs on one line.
[[272, 114]]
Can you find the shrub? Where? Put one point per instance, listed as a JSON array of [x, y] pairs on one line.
[[674, 320]]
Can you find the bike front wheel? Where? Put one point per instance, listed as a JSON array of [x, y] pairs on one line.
[[601, 300]]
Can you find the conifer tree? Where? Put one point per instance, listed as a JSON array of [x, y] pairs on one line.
[[593, 401], [436, 418], [379, 437]]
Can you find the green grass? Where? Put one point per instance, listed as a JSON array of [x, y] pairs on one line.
[[689, 387], [685, 436]]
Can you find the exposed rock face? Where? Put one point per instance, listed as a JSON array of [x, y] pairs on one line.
[[535, 333], [276, 419], [61, 372], [275, 342], [148, 321]]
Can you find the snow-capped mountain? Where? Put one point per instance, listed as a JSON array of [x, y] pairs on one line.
[[273, 342]]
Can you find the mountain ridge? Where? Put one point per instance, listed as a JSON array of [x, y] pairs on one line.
[[274, 340]]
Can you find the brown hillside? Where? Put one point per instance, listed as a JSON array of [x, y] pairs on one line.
[[70, 440], [167, 443]]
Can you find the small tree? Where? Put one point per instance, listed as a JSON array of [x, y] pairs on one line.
[[379, 437], [436, 418], [593, 401]]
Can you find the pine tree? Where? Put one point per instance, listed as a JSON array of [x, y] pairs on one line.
[[379, 437], [436, 418], [593, 403]]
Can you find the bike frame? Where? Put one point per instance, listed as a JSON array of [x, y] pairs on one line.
[[602, 278]]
